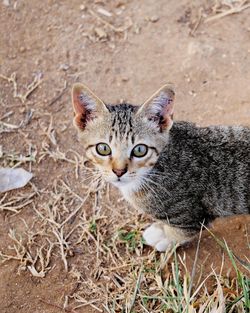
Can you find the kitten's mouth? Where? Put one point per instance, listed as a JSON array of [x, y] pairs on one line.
[[120, 182]]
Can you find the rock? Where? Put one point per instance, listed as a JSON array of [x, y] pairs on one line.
[[125, 78], [6, 3], [22, 49], [100, 33], [154, 18], [82, 7], [64, 67], [13, 178]]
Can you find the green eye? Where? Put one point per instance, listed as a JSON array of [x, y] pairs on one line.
[[140, 151], [103, 149]]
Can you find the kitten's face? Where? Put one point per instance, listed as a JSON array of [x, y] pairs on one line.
[[123, 141]]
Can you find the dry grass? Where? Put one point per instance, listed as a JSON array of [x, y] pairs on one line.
[[225, 8], [217, 10], [29, 89], [124, 275]]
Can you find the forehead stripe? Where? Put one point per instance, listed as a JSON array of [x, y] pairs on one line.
[[156, 151]]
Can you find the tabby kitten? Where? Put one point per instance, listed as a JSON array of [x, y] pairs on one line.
[[182, 174]]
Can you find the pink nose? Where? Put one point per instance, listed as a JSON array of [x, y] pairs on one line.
[[119, 172]]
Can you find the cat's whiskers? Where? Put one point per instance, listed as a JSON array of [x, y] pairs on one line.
[[92, 172], [90, 177], [93, 179], [148, 189], [154, 173], [163, 177], [145, 184], [151, 181], [96, 184], [148, 183]]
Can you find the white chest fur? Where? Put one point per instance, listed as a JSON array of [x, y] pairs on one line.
[[127, 192]]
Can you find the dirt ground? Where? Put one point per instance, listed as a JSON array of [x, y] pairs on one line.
[[60, 251]]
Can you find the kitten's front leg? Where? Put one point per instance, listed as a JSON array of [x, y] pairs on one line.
[[161, 236]]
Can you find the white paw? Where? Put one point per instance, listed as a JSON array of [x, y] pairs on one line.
[[155, 236], [163, 245]]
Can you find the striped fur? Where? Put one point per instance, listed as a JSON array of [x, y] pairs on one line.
[[190, 175]]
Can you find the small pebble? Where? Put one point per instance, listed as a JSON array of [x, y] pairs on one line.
[[82, 7], [6, 3], [100, 32], [238, 226], [154, 18], [125, 79], [64, 67], [187, 78], [22, 49], [192, 93]]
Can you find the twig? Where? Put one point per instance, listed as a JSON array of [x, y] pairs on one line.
[[111, 26], [30, 88], [86, 303], [61, 93], [61, 242], [8, 114], [6, 127], [74, 212], [72, 192], [234, 10], [9, 205], [197, 24]]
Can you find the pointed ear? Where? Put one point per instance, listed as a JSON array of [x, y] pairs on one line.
[[159, 108], [87, 106]]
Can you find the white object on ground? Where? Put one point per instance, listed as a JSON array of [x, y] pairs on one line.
[[6, 3], [13, 178]]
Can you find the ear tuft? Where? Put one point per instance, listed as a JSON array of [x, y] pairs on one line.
[[159, 108], [86, 104]]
